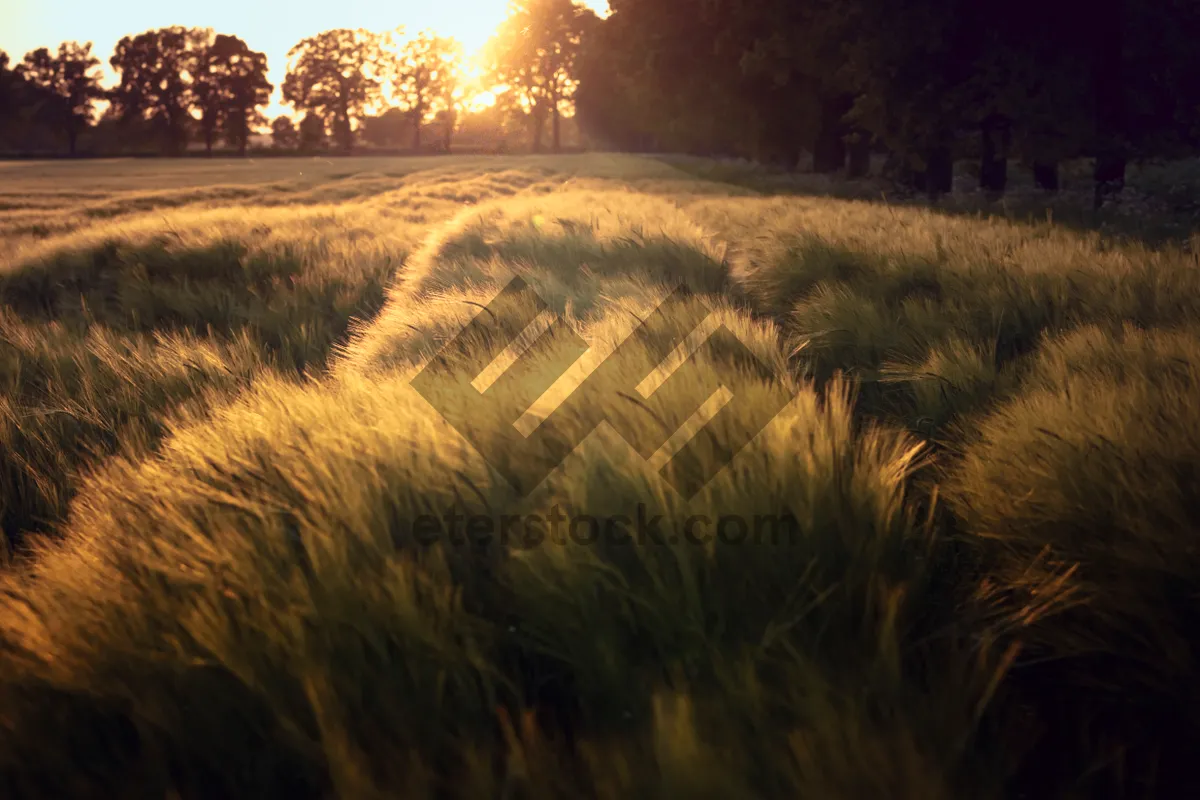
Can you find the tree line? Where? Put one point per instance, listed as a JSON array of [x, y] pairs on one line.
[[174, 83], [178, 85], [926, 82]]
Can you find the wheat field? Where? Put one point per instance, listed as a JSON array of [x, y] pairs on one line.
[[226, 401]]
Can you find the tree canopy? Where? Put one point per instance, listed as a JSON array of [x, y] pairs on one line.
[[335, 76], [70, 80], [928, 81], [424, 77], [283, 133], [155, 82], [795, 82], [533, 56], [229, 86]]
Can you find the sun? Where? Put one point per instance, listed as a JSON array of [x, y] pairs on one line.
[[482, 100]]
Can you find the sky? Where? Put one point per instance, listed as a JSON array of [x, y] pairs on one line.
[[269, 27]]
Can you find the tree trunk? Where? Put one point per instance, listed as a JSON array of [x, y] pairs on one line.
[[556, 122], [210, 133], [174, 134], [342, 122], [417, 130], [243, 134], [915, 179], [1108, 71], [72, 137], [539, 124], [939, 171], [1045, 175], [1109, 176], [993, 162], [898, 168], [859, 164], [794, 157], [829, 151], [829, 154]]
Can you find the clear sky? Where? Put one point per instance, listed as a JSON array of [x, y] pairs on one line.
[[269, 27]]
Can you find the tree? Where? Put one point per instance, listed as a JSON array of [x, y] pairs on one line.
[[387, 129], [802, 94], [335, 75], [312, 132], [486, 128], [447, 121], [910, 71], [10, 99], [1028, 91], [533, 57], [283, 133], [18, 98], [70, 80], [674, 75], [605, 99], [229, 86], [424, 77], [7, 82], [204, 89], [153, 86], [245, 89]]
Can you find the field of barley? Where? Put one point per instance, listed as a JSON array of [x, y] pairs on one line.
[[228, 391]]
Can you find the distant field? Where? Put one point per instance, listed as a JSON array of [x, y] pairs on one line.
[[213, 460]]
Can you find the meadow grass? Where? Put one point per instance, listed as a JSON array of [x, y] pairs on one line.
[[230, 407]]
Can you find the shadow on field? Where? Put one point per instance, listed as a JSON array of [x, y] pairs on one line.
[[1161, 207]]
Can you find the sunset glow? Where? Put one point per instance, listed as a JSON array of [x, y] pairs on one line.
[[268, 27]]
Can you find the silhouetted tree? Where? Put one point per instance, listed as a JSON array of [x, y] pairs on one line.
[[1112, 144], [246, 87], [805, 92], [7, 81], [154, 84], [447, 121], [387, 129], [534, 55], [312, 132], [910, 70], [605, 101], [930, 80], [1143, 63], [424, 76], [283, 133], [20, 100], [335, 74], [229, 86], [12, 90], [668, 75], [204, 87], [70, 79]]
